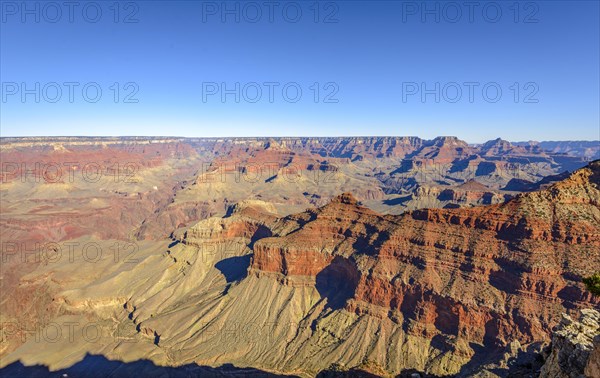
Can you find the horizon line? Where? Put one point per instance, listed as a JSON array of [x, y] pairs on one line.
[[284, 137]]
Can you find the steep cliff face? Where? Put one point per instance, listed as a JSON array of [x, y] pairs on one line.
[[487, 275]]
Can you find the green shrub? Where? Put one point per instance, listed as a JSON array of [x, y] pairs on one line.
[[593, 283]]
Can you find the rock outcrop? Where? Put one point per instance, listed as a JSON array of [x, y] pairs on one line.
[[575, 348]]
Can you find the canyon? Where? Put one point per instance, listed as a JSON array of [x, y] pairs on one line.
[[292, 256]]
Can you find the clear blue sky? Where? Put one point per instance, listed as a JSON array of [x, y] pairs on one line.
[[372, 52]]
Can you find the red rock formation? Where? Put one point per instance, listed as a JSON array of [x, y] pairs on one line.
[[489, 274]]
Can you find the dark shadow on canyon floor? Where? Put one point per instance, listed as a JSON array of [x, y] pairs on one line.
[[234, 268], [396, 201], [337, 282], [98, 366]]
